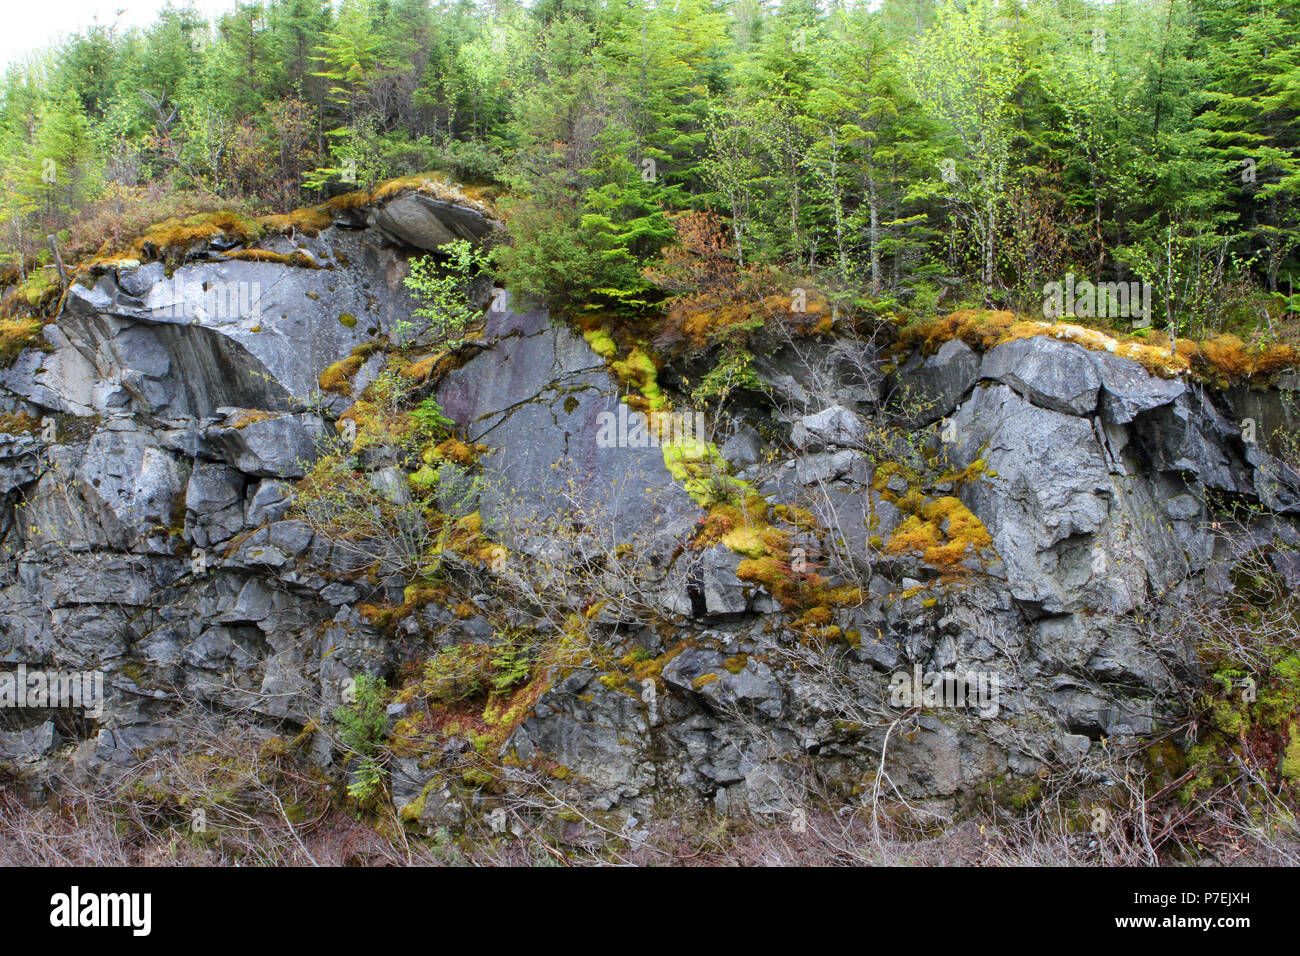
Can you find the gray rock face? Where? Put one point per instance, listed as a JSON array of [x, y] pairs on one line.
[[814, 375], [1059, 520], [154, 540], [29, 744], [537, 399], [427, 223], [723, 591], [742, 448], [214, 499], [1055, 375], [18, 461], [130, 485], [831, 426], [279, 446], [744, 683], [926, 389], [1274, 411], [1127, 390], [596, 736], [1191, 436]]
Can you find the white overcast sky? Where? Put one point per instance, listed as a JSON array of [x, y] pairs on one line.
[[31, 25]]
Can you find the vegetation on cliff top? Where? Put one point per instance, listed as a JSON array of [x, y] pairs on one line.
[[913, 159]]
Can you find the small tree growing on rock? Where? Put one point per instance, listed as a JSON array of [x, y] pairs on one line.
[[443, 291]]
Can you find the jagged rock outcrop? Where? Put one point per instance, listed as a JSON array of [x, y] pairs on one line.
[[536, 398], [1049, 492]]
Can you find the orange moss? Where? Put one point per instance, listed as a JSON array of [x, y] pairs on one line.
[[801, 518], [703, 319], [1226, 358], [172, 238], [250, 417], [338, 377], [429, 184], [376, 615], [735, 664], [422, 369], [816, 615], [295, 259], [310, 221], [943, 532], [453, 449], [18, 423], [1220, 360], [750, 514], [773, 574], [652, 668]]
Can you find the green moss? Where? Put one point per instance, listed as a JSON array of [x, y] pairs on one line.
[[477, 778], [348, 320], [746, 541], [1027, 795], [411, 812], [601, 343], [338, 377], [1228, 718], [41, 287], [19, 334], [308, 221], [1290, 767]]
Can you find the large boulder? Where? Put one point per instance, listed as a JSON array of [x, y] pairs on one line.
[[427, 223], [217, 332], [1192, 436], [1056, 375], [268, 445], [831, 426]]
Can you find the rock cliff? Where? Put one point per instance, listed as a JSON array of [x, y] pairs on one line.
[[1033, 519]]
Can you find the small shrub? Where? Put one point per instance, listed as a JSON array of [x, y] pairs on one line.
[[362, 724], [442, 289]]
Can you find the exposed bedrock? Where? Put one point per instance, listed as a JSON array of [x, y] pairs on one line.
[[148, 532]]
